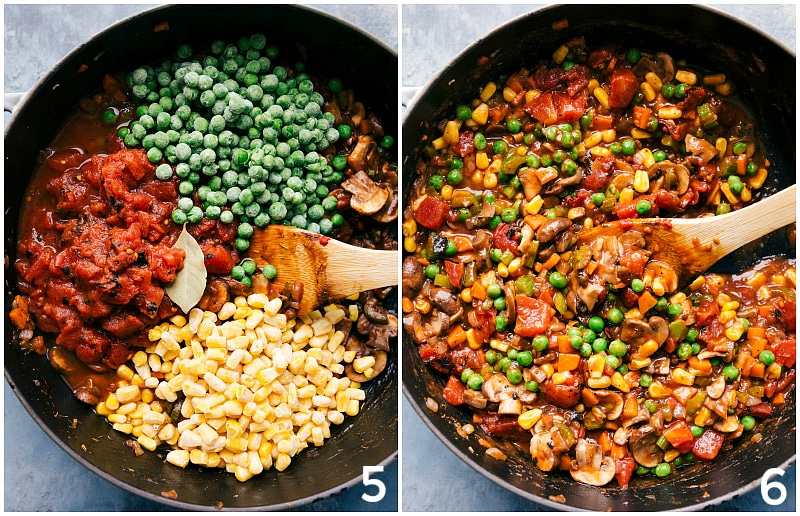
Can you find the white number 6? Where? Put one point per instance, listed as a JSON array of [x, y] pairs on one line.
[[382, 488], [767, 486]]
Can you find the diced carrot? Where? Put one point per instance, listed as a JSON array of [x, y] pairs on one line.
[[566, 462], [778, 399], [552, 261], [591, 266], [408, 306], [631, 407], [618, 452], [456, 336], [19, 317], [589, 397], [568, 361], [700, 365], [765, 310], [641, 116], [478, 291], [463, 243], [757, 370], [563, 344], [534, 221], [602, 122], [605, 442], [545, 174], [646, 302], [757, 345], [747, 367], [756, 332]]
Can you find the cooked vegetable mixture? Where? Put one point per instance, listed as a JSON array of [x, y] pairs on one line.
[[209, 146], [588, 354]]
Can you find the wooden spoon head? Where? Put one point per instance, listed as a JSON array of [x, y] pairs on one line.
[[330, 270], [667, 243], [297, 255]]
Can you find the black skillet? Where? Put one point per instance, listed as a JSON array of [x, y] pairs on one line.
[[763, 72], [331, 48]]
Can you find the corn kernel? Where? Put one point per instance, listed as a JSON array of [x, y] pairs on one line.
[[601, 96], [686, 76], [529, 418], [641, 182], [654, 81], [724, 89], [599, 383], [647, 91], [593, 139], [488, 91], [714, 79], [560, 54], [670, 112], [626, 195]]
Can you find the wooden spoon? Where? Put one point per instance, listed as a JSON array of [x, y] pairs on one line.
[[329, 269], [691, 246]]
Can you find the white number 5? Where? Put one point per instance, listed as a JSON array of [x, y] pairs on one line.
[[382, 488], [767, 486]]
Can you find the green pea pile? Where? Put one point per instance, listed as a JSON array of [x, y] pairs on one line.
[[244, 138]]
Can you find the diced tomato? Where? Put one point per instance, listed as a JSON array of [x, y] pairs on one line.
[[486, 326], [502, 426], [624, 86], [455, 271], [633, 263], [453, 392], [569, 108], [543, 109], [465, 144], [785, 352], [708, 308], [431, 212], [707, 446], [625, 468], [566, 394], [679, 436], [602, 168], [506, 238], [533, 316]]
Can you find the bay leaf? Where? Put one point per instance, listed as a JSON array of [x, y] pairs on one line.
[[190, 282]]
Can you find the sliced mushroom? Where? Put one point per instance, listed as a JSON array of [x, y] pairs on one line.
[[551, 228], [496, 388], [621, 436], [659, 366], [379, 334], [668, 68], [413, 276], [445, 301], [592, 467], [541, 450], [729, 424], [611, 403], [530, 183], [390, 209], [716, 388], [642, 443], [641, 416], [381, 358], [659, 269], [475, 399], [636, 332], [511, 302], [510, 406], [675, 177], [366, 196]]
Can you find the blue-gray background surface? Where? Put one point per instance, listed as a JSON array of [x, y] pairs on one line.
[[434, 479], [38, 475]]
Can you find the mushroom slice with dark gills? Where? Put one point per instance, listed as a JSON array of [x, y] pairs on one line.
[[590, 466], [367, 197], [549, 443], [642, 443], [608, 408], [636, 332]]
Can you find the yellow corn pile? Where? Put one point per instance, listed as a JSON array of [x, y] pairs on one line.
[[257, 388]]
